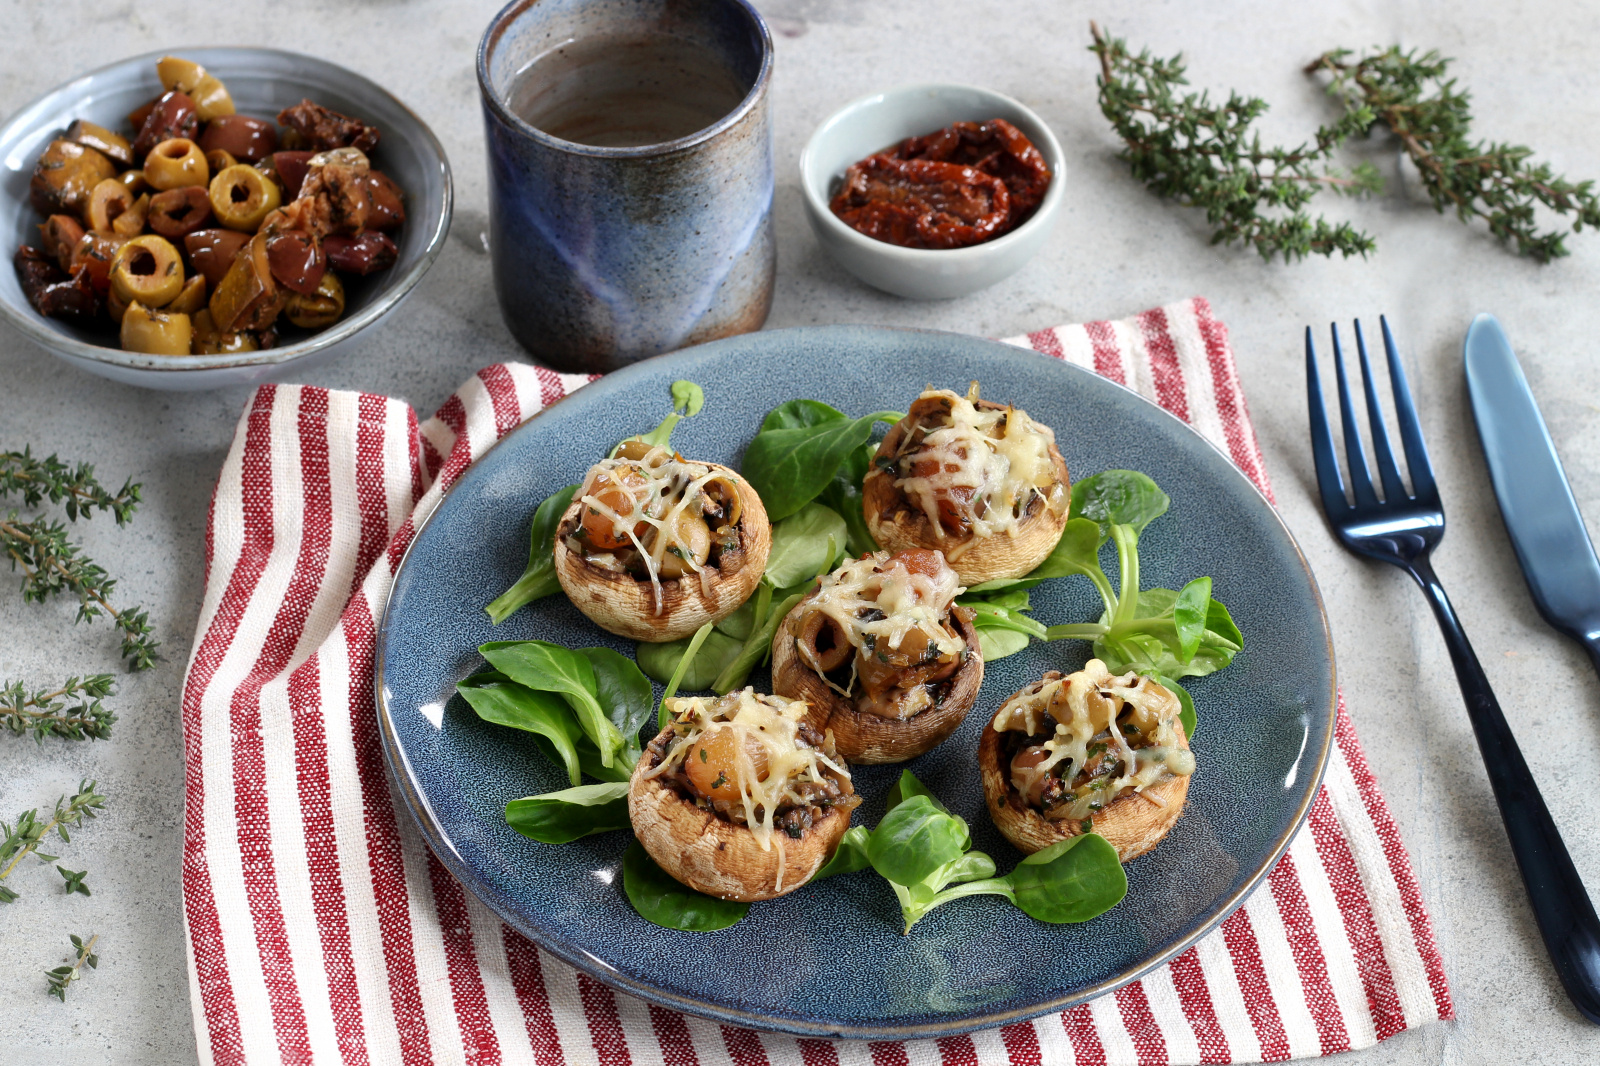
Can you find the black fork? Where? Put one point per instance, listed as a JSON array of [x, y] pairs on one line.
[[1402, 528]]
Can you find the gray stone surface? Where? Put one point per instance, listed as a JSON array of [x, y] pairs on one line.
[[1117, 251]]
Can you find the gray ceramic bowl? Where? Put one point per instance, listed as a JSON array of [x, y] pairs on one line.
[[263, 81], [876, 122]]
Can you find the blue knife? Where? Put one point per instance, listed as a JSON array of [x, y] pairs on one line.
[[1542, 517]]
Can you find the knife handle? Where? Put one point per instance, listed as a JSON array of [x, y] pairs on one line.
[[1566, 917]]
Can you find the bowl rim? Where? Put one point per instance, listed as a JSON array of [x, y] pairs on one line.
[[817, 202], [498, 107], [30, 324]]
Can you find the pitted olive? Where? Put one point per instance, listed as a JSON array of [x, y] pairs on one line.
[[155, 332], [242, 196], [148, 270], [176, 163]]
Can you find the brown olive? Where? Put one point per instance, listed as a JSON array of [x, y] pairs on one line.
[[60, 234], [147, 269], [65, 176], [95, 253], [211, 98], [386, 207], [179, 212], [190, 298], [366, 254], [206, 340], [172, 117], [247, 297], [137, 117], [155, 332], [320, 308], [289, 168], [176, 163], [109, 200], [242, 196], [212, 251], [218, 160], [134, 180], [247, 139], [102, 140], [50, 290], [296, 260]]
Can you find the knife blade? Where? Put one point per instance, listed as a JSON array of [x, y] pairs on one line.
[[1540, 513]]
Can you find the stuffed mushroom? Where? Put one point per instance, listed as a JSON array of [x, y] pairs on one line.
[[888, 662], [981, 482], [739, 798], [1089, 751], [654, 546]]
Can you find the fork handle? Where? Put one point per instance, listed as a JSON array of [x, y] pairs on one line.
[[1566, 918]]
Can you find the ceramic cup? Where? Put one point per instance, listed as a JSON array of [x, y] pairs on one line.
[[606, 255]]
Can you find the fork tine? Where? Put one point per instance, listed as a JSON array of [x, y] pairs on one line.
[[1393, 488], [1360, 479], [1405, 412], [1328, 479]]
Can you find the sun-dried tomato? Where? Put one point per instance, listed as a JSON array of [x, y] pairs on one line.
[[918, 203], [965, 184]]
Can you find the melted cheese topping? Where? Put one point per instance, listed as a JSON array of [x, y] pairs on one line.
[[1086, 705], [989, 465], [768, 724], [876, 601], [664, 487]]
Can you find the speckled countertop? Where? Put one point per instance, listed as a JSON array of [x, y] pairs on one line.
[[1531, 69]]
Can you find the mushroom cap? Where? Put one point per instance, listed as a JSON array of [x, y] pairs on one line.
[[897, 525], [713, 855], [862, 737], [619, 602], [1130, 824]]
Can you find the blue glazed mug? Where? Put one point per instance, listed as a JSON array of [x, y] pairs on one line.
[[619, 227]]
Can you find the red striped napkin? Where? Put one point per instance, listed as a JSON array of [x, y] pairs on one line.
[[322, 930]]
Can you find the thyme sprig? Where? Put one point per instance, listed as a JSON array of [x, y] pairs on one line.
[[63, 976], [30, 830], [1411, 95], [36, 480], [72, 711], [1201, 154]]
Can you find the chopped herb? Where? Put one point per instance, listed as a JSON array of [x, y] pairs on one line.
[[722, 779], [703, 755]]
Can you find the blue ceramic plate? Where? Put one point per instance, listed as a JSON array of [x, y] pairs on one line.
[[830, 960]]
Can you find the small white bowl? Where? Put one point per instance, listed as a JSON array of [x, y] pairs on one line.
[[877, 122]]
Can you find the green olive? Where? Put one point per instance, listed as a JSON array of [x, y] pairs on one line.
[[109, 201], [210, 96], [319, 309], [113, 146], [191, 298], [147, 269], [242, 196], [155, 332], [176, 163], [220, 159]]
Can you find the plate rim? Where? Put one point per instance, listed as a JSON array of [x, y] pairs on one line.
[[422, 816]]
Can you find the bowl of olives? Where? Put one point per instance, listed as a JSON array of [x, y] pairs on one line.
[[216, 216]]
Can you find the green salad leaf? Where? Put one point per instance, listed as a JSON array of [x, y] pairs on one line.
[[1155, 631], [843, 495], [546, 667], [807, 543], [1003, 627], [498, 699], [799, 450], [662, 900], [1071, 881], [660, 661], [565, 816], [538, 580], [849, 856], [687, 400]]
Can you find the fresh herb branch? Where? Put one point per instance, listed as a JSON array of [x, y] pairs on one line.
[[1200, 154], [72, 712], [24, 839], [36, 480], [1411, 95], [62, 976]]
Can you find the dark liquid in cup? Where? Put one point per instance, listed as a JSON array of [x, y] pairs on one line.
[[623, 92]]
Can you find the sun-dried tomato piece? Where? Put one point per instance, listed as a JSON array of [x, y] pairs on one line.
[[919, 203], [995, 147]]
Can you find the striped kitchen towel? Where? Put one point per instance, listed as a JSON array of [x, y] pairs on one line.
[[322, 930]]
